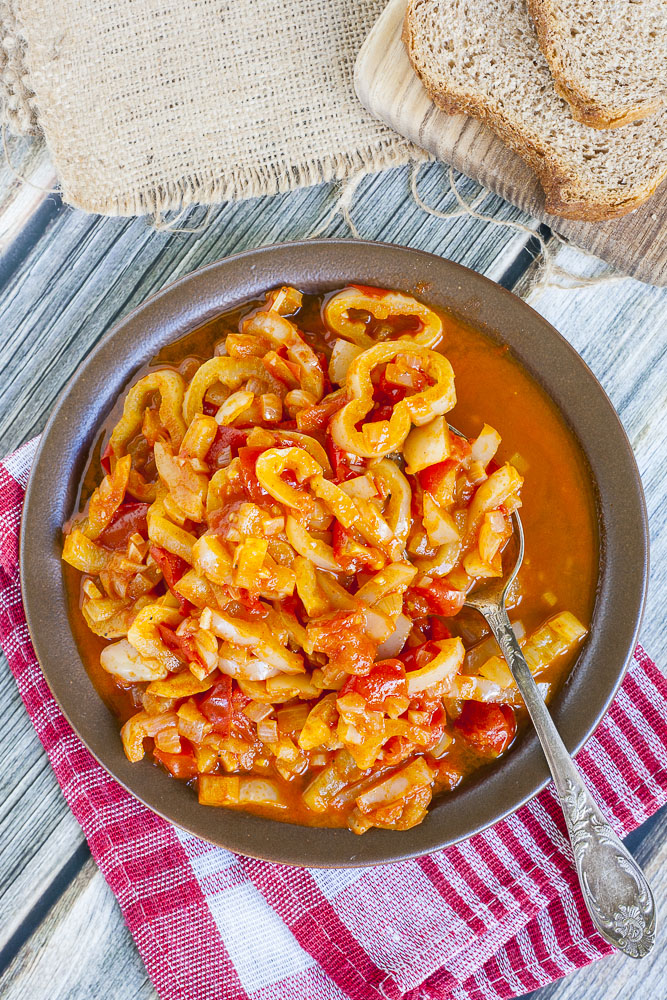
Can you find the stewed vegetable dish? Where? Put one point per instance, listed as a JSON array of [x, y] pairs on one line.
[[274, 544]]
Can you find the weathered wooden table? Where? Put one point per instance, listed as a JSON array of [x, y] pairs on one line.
[[65, 279]]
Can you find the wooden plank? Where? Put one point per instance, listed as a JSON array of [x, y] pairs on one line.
[[87, 271], [24, 185], [82, 950], [388, 87], [38, 833]]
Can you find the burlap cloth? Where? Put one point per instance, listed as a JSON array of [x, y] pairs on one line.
[[151, 105]]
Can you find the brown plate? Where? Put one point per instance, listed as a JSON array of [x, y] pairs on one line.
[[317, 266]]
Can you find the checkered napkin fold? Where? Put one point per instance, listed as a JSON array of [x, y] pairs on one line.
[[494, 917]]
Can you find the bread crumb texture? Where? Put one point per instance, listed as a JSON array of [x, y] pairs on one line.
[[484, 60], [608, 57]]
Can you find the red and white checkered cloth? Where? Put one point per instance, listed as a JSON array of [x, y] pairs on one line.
[[491, 918]]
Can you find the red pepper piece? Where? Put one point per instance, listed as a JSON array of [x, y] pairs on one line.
[[179, 765], [216, 705], [340, 463], [251, 484], [128, 519], [173, 568], [105, 458]]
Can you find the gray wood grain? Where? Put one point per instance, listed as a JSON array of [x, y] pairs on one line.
[[86, 272], [388, 87], [82, 950], [61, 287]]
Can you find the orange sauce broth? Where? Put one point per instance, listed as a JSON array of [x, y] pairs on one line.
[[558, 503]]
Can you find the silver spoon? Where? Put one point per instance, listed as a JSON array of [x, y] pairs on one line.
[[616, 893]]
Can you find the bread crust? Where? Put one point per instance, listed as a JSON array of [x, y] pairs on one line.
[[561, 196], [585, 108]]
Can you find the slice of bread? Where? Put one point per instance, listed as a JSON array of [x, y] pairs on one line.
[[608, 58], [481, 58]]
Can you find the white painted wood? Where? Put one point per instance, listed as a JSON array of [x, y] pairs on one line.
[[86, 272], [388, 87], [82, 950], [38, 833], [20, 199]]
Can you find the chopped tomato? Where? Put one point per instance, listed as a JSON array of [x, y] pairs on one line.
[[293, 605], [431, 479], [442, 598], [226, 438], [182, 645], [435, 716], [394, 752], [180, 765], [241, 726], [432, 627], [489, 728], [448, 775], [173, 568], [438, 629], [128, 519], [251, 606], [316, 418], [461, 448], [105, 458], [343, 640], [251, 483], [432, 706], [386, 393], [387, 678], [216, 705], [346, 553], [434, 478]]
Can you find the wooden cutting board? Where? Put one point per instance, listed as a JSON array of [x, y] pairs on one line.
[[387, 85]]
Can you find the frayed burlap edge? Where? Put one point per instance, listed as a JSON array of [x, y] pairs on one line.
[[16, 93], [250, 182]]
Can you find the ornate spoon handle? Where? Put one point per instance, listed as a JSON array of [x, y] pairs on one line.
[[616, 893]]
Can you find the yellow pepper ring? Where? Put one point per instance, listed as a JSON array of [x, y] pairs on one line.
[[230, 372], [170, 386], [271, 465], [382, 306], [381, 437]]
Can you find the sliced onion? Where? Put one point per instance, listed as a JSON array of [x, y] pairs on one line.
[[123, 662], [394, 643]]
